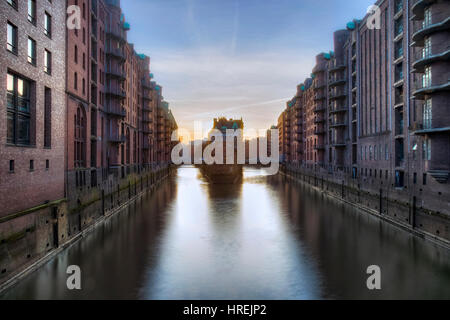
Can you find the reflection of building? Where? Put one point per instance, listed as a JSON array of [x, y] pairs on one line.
[[374, 112]]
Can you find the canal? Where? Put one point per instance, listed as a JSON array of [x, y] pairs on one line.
[[267, 238]]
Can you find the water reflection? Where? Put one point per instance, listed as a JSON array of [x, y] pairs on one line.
[[264, 238]]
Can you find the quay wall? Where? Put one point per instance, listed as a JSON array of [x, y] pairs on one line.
[[32, 237], [409, 213]]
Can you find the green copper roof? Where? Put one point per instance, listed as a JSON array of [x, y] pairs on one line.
[[126, 26], [327, 56], [235, 126], [151, 75], [142, 56], [351, 25], [302, 87]]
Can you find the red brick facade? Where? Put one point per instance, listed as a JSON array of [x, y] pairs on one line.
[[375, 112], [32, 173]]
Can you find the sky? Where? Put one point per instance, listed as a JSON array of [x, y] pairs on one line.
[[234, 58]]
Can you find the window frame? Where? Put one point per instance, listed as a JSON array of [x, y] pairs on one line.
[[12, 47], [18, 114], [32, 59]]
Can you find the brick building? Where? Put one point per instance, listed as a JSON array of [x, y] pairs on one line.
[[33, 104], [375, 114], [85, 127]]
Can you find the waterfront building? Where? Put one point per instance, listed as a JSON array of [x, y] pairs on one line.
[[376, 117], [86, 128]]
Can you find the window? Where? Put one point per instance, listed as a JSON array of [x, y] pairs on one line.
[[386, 152], [426, 78], [32, 11], [31, 165], [47, 164], [47, 62], [80, 137], [18, 110], [424, 179], [11, 165], [11, 43], [75, 81], [427, 114], [426, 17], [32, 51], [398, 6], [426, 51], [47, 25], [75, 54], [12, 3], [426, 149], [399, 179], [48, 118]]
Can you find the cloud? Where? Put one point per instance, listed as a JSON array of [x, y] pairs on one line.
[[206, 82]]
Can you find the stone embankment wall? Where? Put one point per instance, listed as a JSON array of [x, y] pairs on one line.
[[30, 238], [409, 214]]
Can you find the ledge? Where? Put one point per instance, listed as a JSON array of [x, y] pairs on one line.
[[31, 210]]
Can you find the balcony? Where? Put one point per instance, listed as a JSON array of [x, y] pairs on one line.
[[319, 120], [424, 58], [319, 147], [116, 93], [147, 131], [337, 143], [146, 96], [335, 67], [319, 109], [116, 34], [338, 123], [425, 128], [118, 113], [418, 8], [319, 131], [117, 138], [319, 96], [337, 94], [319, 85], [116, 53], [319, 69], [338, 109], [146, 85], [424, 30], [337, 82], [147, 119], [116, 74], [421, 89]]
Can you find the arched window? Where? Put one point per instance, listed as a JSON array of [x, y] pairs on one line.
[[80, 138]]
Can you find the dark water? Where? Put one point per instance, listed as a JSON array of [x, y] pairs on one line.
[[267, 238]]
